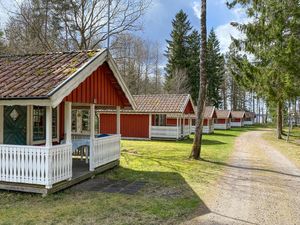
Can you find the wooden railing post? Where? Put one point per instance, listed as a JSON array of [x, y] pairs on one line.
[[92, 136], [1, 124], [118, 120], [68, 122], [48, 126]]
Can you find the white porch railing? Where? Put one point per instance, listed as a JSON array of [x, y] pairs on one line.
[[105, 150], [236, 124], [206, 129], [248, 122], [35, 164], [222, 126], [171, 132], [186, 131]]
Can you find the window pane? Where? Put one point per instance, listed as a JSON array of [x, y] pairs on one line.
[[85, 120], [74, 120], [54, 123], [39, 123]]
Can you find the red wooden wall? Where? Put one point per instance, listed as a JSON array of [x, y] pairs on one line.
[[173, 121], [100, 88], [189, 108], [132, 125], [221, 121]]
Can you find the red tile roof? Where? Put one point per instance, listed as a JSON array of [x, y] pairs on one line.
[[238, 114], [209, 112], [36, 75], [223, 114], [250, 115], [161, 103]]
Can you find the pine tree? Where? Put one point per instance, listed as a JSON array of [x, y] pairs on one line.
[[215, 70], [177, 50], [272, 37], [194, 64]]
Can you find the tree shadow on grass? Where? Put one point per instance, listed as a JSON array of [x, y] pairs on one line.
[[165, 195], [190, 141], [249, 168]]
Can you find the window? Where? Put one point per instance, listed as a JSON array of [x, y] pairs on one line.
[[54, 123], [39, 123], [160, 120], [81, 121], [74, 120], [85, 120]]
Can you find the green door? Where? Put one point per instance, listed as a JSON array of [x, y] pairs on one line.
[[15, 123]]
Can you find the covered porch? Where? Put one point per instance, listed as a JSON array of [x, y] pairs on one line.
[[40, 151], [170, 126], [50, 161]]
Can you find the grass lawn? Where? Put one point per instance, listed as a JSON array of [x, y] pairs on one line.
[[173, 191], [292, 148]]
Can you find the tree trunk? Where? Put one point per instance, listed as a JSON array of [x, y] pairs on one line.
[[196, 149], [279, 120]]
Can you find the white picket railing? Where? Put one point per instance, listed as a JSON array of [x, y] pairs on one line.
[[222, 126], [236, 124], [171, 132], [35, 164], [248, 122], [186, 131], [206, 129], [105, 150]]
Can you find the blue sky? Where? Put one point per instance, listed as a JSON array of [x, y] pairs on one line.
[[157, 21], [158, 18]]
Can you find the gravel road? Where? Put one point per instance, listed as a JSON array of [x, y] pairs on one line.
[[260, 186]]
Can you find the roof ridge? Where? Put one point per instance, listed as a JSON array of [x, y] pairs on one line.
[[161, 95], [50, 53]]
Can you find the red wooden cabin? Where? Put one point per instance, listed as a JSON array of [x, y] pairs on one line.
[[156, 117], [223, 120], [237, 119], [249, 118], [208, 122], [40, 137]]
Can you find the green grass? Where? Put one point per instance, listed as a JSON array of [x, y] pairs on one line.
[[292, 148], [173, 192]]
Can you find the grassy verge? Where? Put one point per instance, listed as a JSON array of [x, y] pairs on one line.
[[291, 149], [173, 191]]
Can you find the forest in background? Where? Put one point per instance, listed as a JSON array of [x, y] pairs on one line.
[[52, 25]]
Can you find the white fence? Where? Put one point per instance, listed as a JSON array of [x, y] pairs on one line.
[[186, 131], [168, 132], [35, 164], [222, 126], [206, 129], [236, 124], [248, 122], [105, 150]]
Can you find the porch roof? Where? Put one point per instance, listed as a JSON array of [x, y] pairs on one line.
[[250, 115], [163, 103], [238, 114], [45, 79], [223, 114], [209, 113]]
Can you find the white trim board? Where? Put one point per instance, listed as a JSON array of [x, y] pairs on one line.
[[1, 123]]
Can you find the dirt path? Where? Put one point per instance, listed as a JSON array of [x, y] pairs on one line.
[[261, 186]]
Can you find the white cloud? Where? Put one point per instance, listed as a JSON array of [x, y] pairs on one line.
[[225, 31], [197, 8], [224, 34]]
